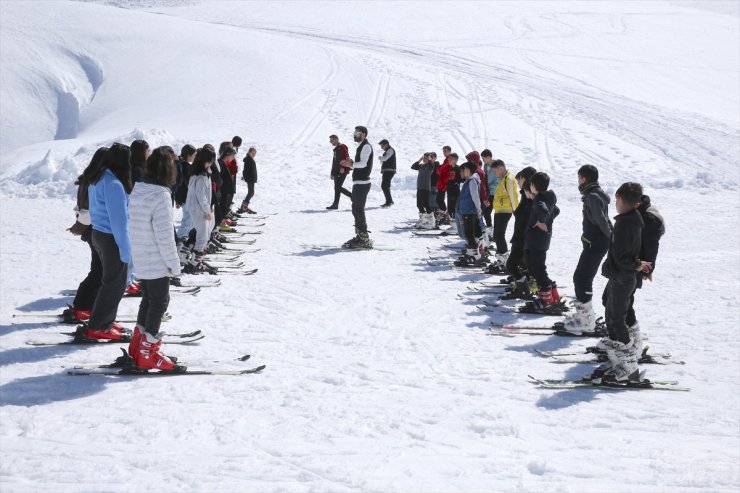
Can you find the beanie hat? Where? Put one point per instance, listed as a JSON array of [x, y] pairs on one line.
[[473, 157]]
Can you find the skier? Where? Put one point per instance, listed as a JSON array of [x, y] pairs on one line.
[[139, 153], [597, 229], [505, 200], [474, 157], [453, 184], [620, 267], [433, 184], [424, 167], [187, 156], [361, 169], [250, 176], [155, 256], [387, 170], [469, 210], [443, 176], [228, 169], [236, 142], [537, 241], [88, 289], [339, 173], [200, 205], [491, 180], [515, 264], [108, 199]]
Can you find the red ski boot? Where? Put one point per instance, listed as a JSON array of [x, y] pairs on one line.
[[148, 356]]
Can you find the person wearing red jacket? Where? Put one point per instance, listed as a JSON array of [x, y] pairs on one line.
[[443, 174]]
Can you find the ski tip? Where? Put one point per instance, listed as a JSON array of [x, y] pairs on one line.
[[244, 358]]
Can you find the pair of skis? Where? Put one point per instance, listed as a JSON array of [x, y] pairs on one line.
[[174, 338], [586, 357], [666, 385], [338, 248]]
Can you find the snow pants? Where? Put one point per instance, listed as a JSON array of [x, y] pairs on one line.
[[500, 222], [87, 291], [422, 201], [113, 281], [515, 264], [155, 298], [535, 260], [385, 185], [588, 265], [617, 299]]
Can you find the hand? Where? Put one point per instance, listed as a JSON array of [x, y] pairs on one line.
[[649, 277], [208, 216], [177, 206], [487, 204], [541, 226], [644, 267], [77, 229]]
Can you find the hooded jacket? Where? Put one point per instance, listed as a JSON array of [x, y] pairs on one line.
[[151, 224], [200, 193], [543, 211], [469, 201], [596, 223], [623, 257], [521, 217], [250, 170], [443, 175]]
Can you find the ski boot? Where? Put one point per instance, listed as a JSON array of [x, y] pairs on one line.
[[548, 302], [428, 222], [149, 357], [625, 368], [519, 291], [133, 289], [472, 258], [583, 320], [113, 333], [360, 242], [73, 315]]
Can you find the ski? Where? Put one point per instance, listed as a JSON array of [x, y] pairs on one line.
[[585, 384], [186, 372], [194, 283], [237, 272], [129, 318], [313, 246], [122, 360], [591, 357], [433, 232], [238, 242], [100, 342], [539, 331], [165, 335], [230, 265]]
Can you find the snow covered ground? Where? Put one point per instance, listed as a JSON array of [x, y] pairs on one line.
[[378, 377]]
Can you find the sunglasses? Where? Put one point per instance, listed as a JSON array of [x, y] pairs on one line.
[[358, 134]]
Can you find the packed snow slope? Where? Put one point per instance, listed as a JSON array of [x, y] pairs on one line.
[[379, 378]]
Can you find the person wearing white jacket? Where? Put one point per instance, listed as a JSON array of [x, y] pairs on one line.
[[154, 255], [200, 203]]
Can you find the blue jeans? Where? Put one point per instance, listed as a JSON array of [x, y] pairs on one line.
[[186, 224]]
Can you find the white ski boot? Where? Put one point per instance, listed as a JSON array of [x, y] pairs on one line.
[[625, 368], [582, 320]]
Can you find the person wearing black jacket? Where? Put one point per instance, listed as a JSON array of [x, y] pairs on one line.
[[515, 264], [362, 168], [387, 170], [249, 175], [339, 173], [597, 229], [537, 235], [187, 156], [228, 187], [620, 268]]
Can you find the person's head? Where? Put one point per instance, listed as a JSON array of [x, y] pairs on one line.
[[94, 169], [252, 152], [227, 153], [160, 167], [525, 175], [432, 157], [486, 156], [499, 167], [468, 169], [539, 182], [453, 158], [360, 133], [187, 153], [236, 141], [446, 151], [209, 146], [384, 144], [588, 174], [118, 160], [628, 197], [527, 187], [473, 157], [334, 140], [139, 152], [204, 158]]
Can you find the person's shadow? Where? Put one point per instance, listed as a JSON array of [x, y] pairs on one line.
[[46, 389]]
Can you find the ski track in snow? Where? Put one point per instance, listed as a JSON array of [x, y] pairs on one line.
[[378, 377]]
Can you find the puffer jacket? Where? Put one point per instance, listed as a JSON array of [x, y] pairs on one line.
[[151, 227]]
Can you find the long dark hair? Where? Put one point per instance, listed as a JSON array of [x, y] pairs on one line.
[[160, 166], [186, 151], [118, 160], [94, 169], [138, 153], [203, 160]]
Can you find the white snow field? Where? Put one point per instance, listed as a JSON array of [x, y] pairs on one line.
[[379, 378]]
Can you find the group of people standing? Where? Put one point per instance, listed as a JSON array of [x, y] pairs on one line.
[[125, 213]]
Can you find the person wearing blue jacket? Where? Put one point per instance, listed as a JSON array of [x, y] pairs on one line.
[[108, 199], [469, 210]]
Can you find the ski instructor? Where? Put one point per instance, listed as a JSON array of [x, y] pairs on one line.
[[361, 167]]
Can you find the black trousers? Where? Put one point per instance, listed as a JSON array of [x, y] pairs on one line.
[[339, 188], [155, 298], [500, 222], [535, 260], [422, 201], [87, 291], [617, 298], [441, 201], [250, 194], [588, 265], [226, 203], [113, 281], [487, 212], [452, 196], [471, 228], [631, 317], [385, 185], [515, 264], [359, 198]]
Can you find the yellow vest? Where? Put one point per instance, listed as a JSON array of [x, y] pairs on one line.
[[506, 197]]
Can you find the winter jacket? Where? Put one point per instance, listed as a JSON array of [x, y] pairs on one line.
[[505, 197], [433, 176], [492, 180], [521, 218], [250, 170], [469, 201], [651, 233], [82, 226], [454, 179], [227, 182], [340, 154], [200, 194], [363, 164], [137, 172], [216, 183], [389, 161], [543, 211], [443, 175], [109, 211], [151, 224], [483, 188], [424, 178], [596, 222], [183, 177], [623, 257]]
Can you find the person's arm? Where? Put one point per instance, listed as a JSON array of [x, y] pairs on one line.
[[116, 203], [626, 245], [202, 197], [364, 157], [650, 243], [387, 155], [416, 166], [512, 189], [594, 205], [475, 195], [162, 224]]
